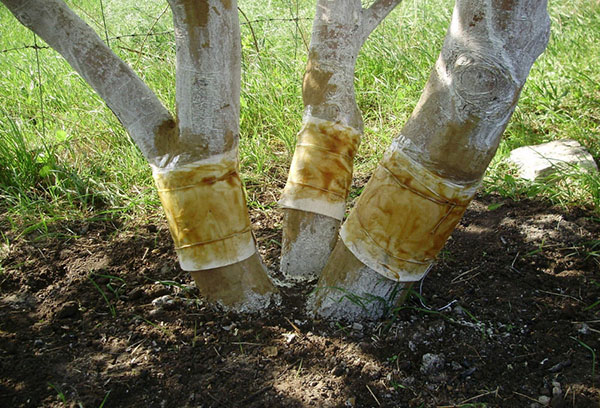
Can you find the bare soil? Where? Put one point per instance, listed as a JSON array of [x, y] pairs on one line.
[[99, 314]]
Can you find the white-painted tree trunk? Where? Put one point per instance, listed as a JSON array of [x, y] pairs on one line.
[[194, 158], [208, 73], [321, 173], [431, 171]]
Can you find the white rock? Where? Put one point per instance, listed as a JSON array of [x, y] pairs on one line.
[[432, 363], [583, 328], [539, 161], [544, 400], [357, 327], [162, 301]]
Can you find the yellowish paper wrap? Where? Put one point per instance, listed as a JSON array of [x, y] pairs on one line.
[[206, 211], [321, 172], [404, 217]]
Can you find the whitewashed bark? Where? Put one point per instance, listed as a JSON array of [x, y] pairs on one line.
[[203, 140], [134, 104], [207, 37], [452, 134], [340, 28]]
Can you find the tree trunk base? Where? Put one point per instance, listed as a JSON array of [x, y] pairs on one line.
[[350, 291], [243, 287], [308, 239]]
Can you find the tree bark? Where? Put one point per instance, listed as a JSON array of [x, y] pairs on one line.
[[206, 206], [135, 105], [321, 173], [194, 159], [431, 171]]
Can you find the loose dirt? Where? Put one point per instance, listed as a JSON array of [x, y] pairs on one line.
[[99, 314]]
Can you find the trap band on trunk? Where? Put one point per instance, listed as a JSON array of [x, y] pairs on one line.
[[321, 172], [404, 217], [206, 212]]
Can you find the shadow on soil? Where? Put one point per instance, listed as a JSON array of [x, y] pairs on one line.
[[105, 315]]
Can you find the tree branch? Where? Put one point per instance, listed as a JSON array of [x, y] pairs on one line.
[[375, 14], [130, 99]]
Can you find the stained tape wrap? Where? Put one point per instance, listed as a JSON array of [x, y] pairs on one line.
[[206, 211], [404, 217], [321, 171]]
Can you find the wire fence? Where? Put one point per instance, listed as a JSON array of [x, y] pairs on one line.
[[114, 41], [110, 39]]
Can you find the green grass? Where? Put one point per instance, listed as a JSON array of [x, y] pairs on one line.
[[75, 161]]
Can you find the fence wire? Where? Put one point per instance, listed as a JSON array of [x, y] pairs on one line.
[[108, 39], [118, 41]]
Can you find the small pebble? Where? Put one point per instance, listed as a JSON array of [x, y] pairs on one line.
[[557, 367], [459, 311], [409, 381], [468, 372], [583, 328], [163, 301], [357, 327], [544, 400], [432, 363]]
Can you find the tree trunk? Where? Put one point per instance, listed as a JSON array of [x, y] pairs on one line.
[[194, 159], [431, 171], [206, 205], [321, 172]]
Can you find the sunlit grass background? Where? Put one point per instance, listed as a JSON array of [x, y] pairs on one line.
[[64, 156]]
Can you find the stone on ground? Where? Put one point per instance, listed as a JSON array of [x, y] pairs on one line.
[[540, 161]]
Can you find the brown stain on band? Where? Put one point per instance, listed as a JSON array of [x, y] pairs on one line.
[[404, 217], [323, 161], [206, 211]]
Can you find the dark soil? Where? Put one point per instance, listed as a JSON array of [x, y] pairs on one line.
[[102, 314]]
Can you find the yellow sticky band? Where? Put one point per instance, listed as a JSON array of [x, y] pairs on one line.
[[321, 172], [404, 217], [207, 215]]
